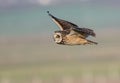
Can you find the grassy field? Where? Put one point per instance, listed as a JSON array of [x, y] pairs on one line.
[[36, 60]]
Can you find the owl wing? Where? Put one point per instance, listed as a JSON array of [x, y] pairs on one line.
[[85, 32], [62, 24], [66, 25]]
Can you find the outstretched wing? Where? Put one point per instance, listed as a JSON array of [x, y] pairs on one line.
[[62, 24], [66, 25], [85, 32]]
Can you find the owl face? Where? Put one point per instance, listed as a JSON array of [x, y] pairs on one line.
[[58, 37]]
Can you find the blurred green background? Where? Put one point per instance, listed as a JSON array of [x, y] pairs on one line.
[[28, 53]]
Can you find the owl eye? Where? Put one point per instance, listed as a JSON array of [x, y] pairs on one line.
[[57, 36]]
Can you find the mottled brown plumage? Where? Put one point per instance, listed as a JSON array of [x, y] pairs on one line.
[[70, 33]]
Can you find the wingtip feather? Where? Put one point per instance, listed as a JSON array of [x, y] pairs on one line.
[[48, 12]]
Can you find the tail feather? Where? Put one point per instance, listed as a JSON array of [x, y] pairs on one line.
[[92, 42]]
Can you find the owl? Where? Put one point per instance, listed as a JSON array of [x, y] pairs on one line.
[[70, 33]]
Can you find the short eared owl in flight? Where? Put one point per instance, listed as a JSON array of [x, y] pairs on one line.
[[70, 33]]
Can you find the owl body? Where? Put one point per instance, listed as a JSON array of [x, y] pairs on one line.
[[72, 38], [70, 33], [75, 40]]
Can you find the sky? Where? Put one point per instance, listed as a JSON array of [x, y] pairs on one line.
[[14, 3]]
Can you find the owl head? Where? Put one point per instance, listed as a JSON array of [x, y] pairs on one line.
[[58, 37]]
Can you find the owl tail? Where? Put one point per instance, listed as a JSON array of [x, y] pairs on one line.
[[91, 42]]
